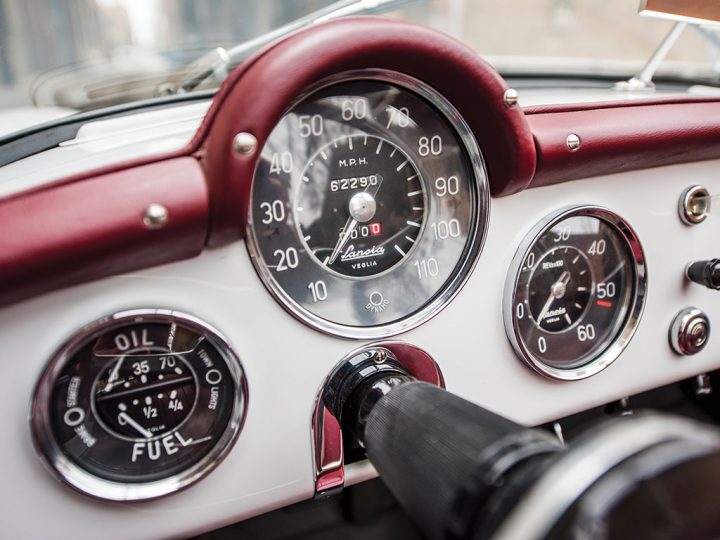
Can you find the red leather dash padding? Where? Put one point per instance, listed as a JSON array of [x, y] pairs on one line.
[[256, 96], [84, 230], [623, 137]]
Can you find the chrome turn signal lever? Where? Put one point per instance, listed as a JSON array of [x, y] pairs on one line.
[[461, 471]]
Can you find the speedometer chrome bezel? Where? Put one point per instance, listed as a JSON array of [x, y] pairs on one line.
[[72, 474], [476, 237], [615, 345]]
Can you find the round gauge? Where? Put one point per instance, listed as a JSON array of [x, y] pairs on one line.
[[139, 405], [369, 205], [575, 292]]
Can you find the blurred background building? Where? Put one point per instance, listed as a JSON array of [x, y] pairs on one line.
[[41, 40]]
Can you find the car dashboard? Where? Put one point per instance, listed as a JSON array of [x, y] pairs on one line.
[[178, 283]]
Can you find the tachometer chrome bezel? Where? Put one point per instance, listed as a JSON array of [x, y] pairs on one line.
[[611, 350], [72, 474], [476, 236]]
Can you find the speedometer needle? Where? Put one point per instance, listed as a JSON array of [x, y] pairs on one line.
[[124, 418], [342, 240], [350, 224], [557, 290]]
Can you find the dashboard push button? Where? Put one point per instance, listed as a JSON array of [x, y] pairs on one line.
[[689, 332]]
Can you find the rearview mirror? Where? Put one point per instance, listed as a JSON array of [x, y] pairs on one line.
[[689, 11]]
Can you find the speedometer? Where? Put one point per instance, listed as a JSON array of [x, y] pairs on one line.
[[575, 292], [369, 205]]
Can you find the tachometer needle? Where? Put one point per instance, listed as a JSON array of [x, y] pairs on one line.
[[124, 418], [557, 290]]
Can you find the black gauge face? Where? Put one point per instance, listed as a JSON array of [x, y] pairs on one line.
[[373, 210], [577, 289], [148, 396], [564, 273], [137, 401], [368, 206]]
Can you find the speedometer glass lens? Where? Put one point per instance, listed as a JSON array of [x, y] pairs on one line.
[[140, 406], [369, 206], [575, 292]]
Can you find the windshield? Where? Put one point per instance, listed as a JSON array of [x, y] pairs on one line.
[[63, 56]]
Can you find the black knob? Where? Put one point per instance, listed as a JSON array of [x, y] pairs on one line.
[[705, 273]]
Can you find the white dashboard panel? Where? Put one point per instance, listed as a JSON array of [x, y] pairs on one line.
[[101, 143], [285, 362]]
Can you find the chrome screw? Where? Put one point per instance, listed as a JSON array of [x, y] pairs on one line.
[[573, 142], [510, 98], [380, 357], [244, 143], [155, 216]]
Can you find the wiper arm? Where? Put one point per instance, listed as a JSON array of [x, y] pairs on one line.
[[219, 61]]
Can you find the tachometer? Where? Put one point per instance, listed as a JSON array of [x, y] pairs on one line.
[[142, 404], [575, 292], [369, 205]]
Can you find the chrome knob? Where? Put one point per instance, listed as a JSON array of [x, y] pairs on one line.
[[689, 332], [705, 273]]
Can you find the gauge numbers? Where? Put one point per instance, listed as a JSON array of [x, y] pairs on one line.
[[143, 404], [369, 205], [575, 293]]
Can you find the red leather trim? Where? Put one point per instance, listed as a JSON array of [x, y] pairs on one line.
[[635, 102], [87, 229], [624, 137], [255, 97]]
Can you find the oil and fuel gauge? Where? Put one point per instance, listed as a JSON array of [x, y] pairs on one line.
[[575, 292], [139, 405]]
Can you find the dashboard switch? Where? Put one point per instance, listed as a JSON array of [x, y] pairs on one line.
[[689, 332], [705, 273], [694, 205]]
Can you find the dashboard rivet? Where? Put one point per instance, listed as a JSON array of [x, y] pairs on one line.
[[573, 142], [155, 216], [244, 143], [511, 97], [380, 357]]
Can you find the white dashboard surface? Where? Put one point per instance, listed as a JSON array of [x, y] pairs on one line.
[[285, 362]]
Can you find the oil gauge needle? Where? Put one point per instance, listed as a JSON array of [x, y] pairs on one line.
[[124, 418], [113, 375]]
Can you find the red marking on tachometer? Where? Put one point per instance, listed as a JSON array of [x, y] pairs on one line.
[[603, 303]]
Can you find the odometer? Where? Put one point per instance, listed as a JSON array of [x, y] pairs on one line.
[[369, 205], [575, 292]]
